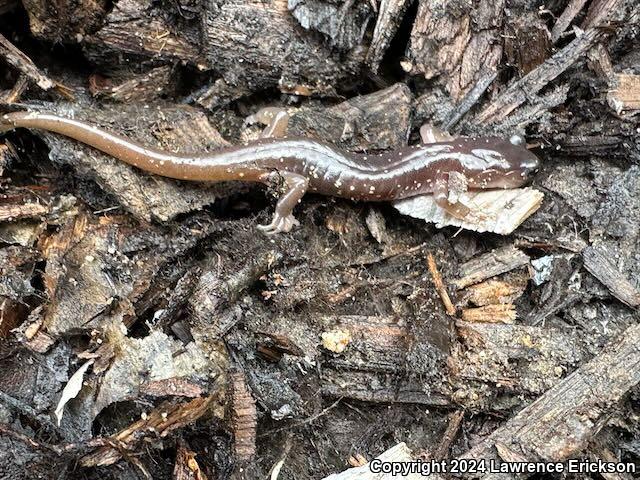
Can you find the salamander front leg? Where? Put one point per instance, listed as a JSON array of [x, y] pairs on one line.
[[295, 186], [446, 193]]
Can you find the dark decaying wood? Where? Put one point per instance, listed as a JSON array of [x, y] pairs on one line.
[[561, 422], [490, 264], [174, 341], [19, 60], [568, 14], [390, 14], [65, 19], [146, 87], [519, 92], [459, 45], [7, 5], [601, 267]]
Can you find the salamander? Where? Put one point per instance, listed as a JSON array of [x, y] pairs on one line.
[[298, 165]]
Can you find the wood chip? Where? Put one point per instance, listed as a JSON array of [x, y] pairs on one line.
[[504, 313], [527, 44], [497, 211], [561, 423], [598, 264], [186, 466], [455, 421], [12, 314], [568, 14], [13, 95], [493, 292], [158, 423], [440, 287], [26, 210], [13, 56], [491, 264], [389, 18], [175, 387], [625, 95], [457, 45], [520, 91], [146, 87]]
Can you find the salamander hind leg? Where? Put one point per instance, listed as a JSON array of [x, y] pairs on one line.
[[294, 186]]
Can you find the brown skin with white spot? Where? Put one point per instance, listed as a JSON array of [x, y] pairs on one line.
[[298, 165]]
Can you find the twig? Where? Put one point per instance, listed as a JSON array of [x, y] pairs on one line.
[[306, 421], [520, 91], [19, 60], [441, 289], [470, 99], [566, 18], [455, 420], [13, 95]]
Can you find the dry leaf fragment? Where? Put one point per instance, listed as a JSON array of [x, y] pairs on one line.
[[71, 389]]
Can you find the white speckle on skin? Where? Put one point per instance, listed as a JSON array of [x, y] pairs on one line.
[[241, 174], [352, 188]]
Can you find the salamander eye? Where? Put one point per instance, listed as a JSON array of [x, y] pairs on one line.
[[517, 140], [531, 164]]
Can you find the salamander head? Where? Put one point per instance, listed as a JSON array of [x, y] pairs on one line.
[[498, 163]]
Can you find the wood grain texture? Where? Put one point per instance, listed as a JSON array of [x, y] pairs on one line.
[[450, 40]]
